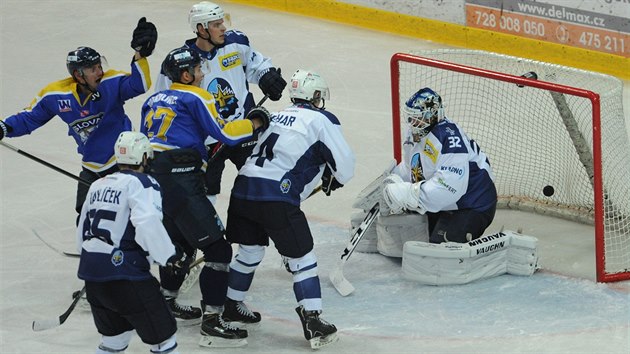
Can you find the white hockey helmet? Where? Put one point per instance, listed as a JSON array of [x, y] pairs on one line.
[[204, 12], [131, 147], [309, 86]]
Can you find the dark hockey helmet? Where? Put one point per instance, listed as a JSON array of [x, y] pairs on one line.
[[82, 57], [180, 60]]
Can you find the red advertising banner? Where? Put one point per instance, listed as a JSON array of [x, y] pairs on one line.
[[552, 23]]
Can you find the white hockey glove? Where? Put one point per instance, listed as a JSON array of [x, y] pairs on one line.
[[401, 196]]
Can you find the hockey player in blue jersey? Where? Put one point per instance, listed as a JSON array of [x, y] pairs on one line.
[[120, 234], [303, 144], [231, 64], [444, 174], [91, 102], [177, 121]]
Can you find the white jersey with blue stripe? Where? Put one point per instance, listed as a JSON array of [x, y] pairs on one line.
[[290, 156], [120, 232], [456, 171]]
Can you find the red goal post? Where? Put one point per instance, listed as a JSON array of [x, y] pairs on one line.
[[564, 130]]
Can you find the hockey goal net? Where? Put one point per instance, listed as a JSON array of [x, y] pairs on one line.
[[565, 130]]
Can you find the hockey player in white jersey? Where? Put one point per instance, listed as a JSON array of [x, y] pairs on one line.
[[230, 65], [303, 144], [120, 234], [444, 174]]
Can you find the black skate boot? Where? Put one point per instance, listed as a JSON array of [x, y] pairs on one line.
[[237, 313], [317, 331], [217, 333], [184, 314]]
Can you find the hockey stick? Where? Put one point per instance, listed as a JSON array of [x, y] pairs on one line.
[[63, 253], [195, 269], [45, 163], [58, 321], [341, 284]]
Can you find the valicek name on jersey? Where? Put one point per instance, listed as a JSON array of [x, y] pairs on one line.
[[107, 195], [284, 120], [160, 97]]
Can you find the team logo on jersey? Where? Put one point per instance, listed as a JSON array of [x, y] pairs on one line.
[[224, 97], [84, 127], [118, 257], [229, 61], [64, 105], [285, 185], [430, 151], [416, 168]]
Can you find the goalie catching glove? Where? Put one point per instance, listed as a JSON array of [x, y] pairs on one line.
[[329, 183], [261, 114], [272, 84], [401, 196], [144, 37]]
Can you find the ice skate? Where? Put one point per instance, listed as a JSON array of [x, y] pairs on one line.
[[237, 313], [217, 333], [184, 314], [317, 331]]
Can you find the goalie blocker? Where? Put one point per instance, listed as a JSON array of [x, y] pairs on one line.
[[460, 263]]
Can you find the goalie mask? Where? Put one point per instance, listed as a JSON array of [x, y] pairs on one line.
[[422, 111], [308, 86], [131, 147]]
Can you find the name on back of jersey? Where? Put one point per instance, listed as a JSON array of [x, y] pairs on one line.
[[107, 195], [160, 97], [283, 119]]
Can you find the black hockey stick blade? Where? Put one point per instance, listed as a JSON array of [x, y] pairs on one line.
[[338, 280], [56, 322]]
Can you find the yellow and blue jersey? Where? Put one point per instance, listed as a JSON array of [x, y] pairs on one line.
[[94, 121]]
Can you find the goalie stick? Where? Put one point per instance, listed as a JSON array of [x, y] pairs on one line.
[[58, 321], [341, 284]]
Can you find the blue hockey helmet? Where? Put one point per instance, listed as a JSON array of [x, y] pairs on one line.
[[422, 111]]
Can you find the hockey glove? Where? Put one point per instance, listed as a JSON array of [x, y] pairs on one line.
[[402, 196], [262, 114], [177, 265], [272, 84], [4, 129], [144, 37], [329, 183]]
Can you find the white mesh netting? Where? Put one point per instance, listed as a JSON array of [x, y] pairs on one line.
[[531, 144]]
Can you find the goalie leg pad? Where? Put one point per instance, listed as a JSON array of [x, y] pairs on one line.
[[460, 263], [394, 230]]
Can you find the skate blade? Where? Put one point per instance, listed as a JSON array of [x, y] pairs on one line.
[[218, 342], [323, 341], [188, 323]]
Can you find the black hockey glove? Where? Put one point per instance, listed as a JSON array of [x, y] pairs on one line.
[[4, 129], [260, 112], [144, 37], [178, 264], [329, 183], [272, 84]]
